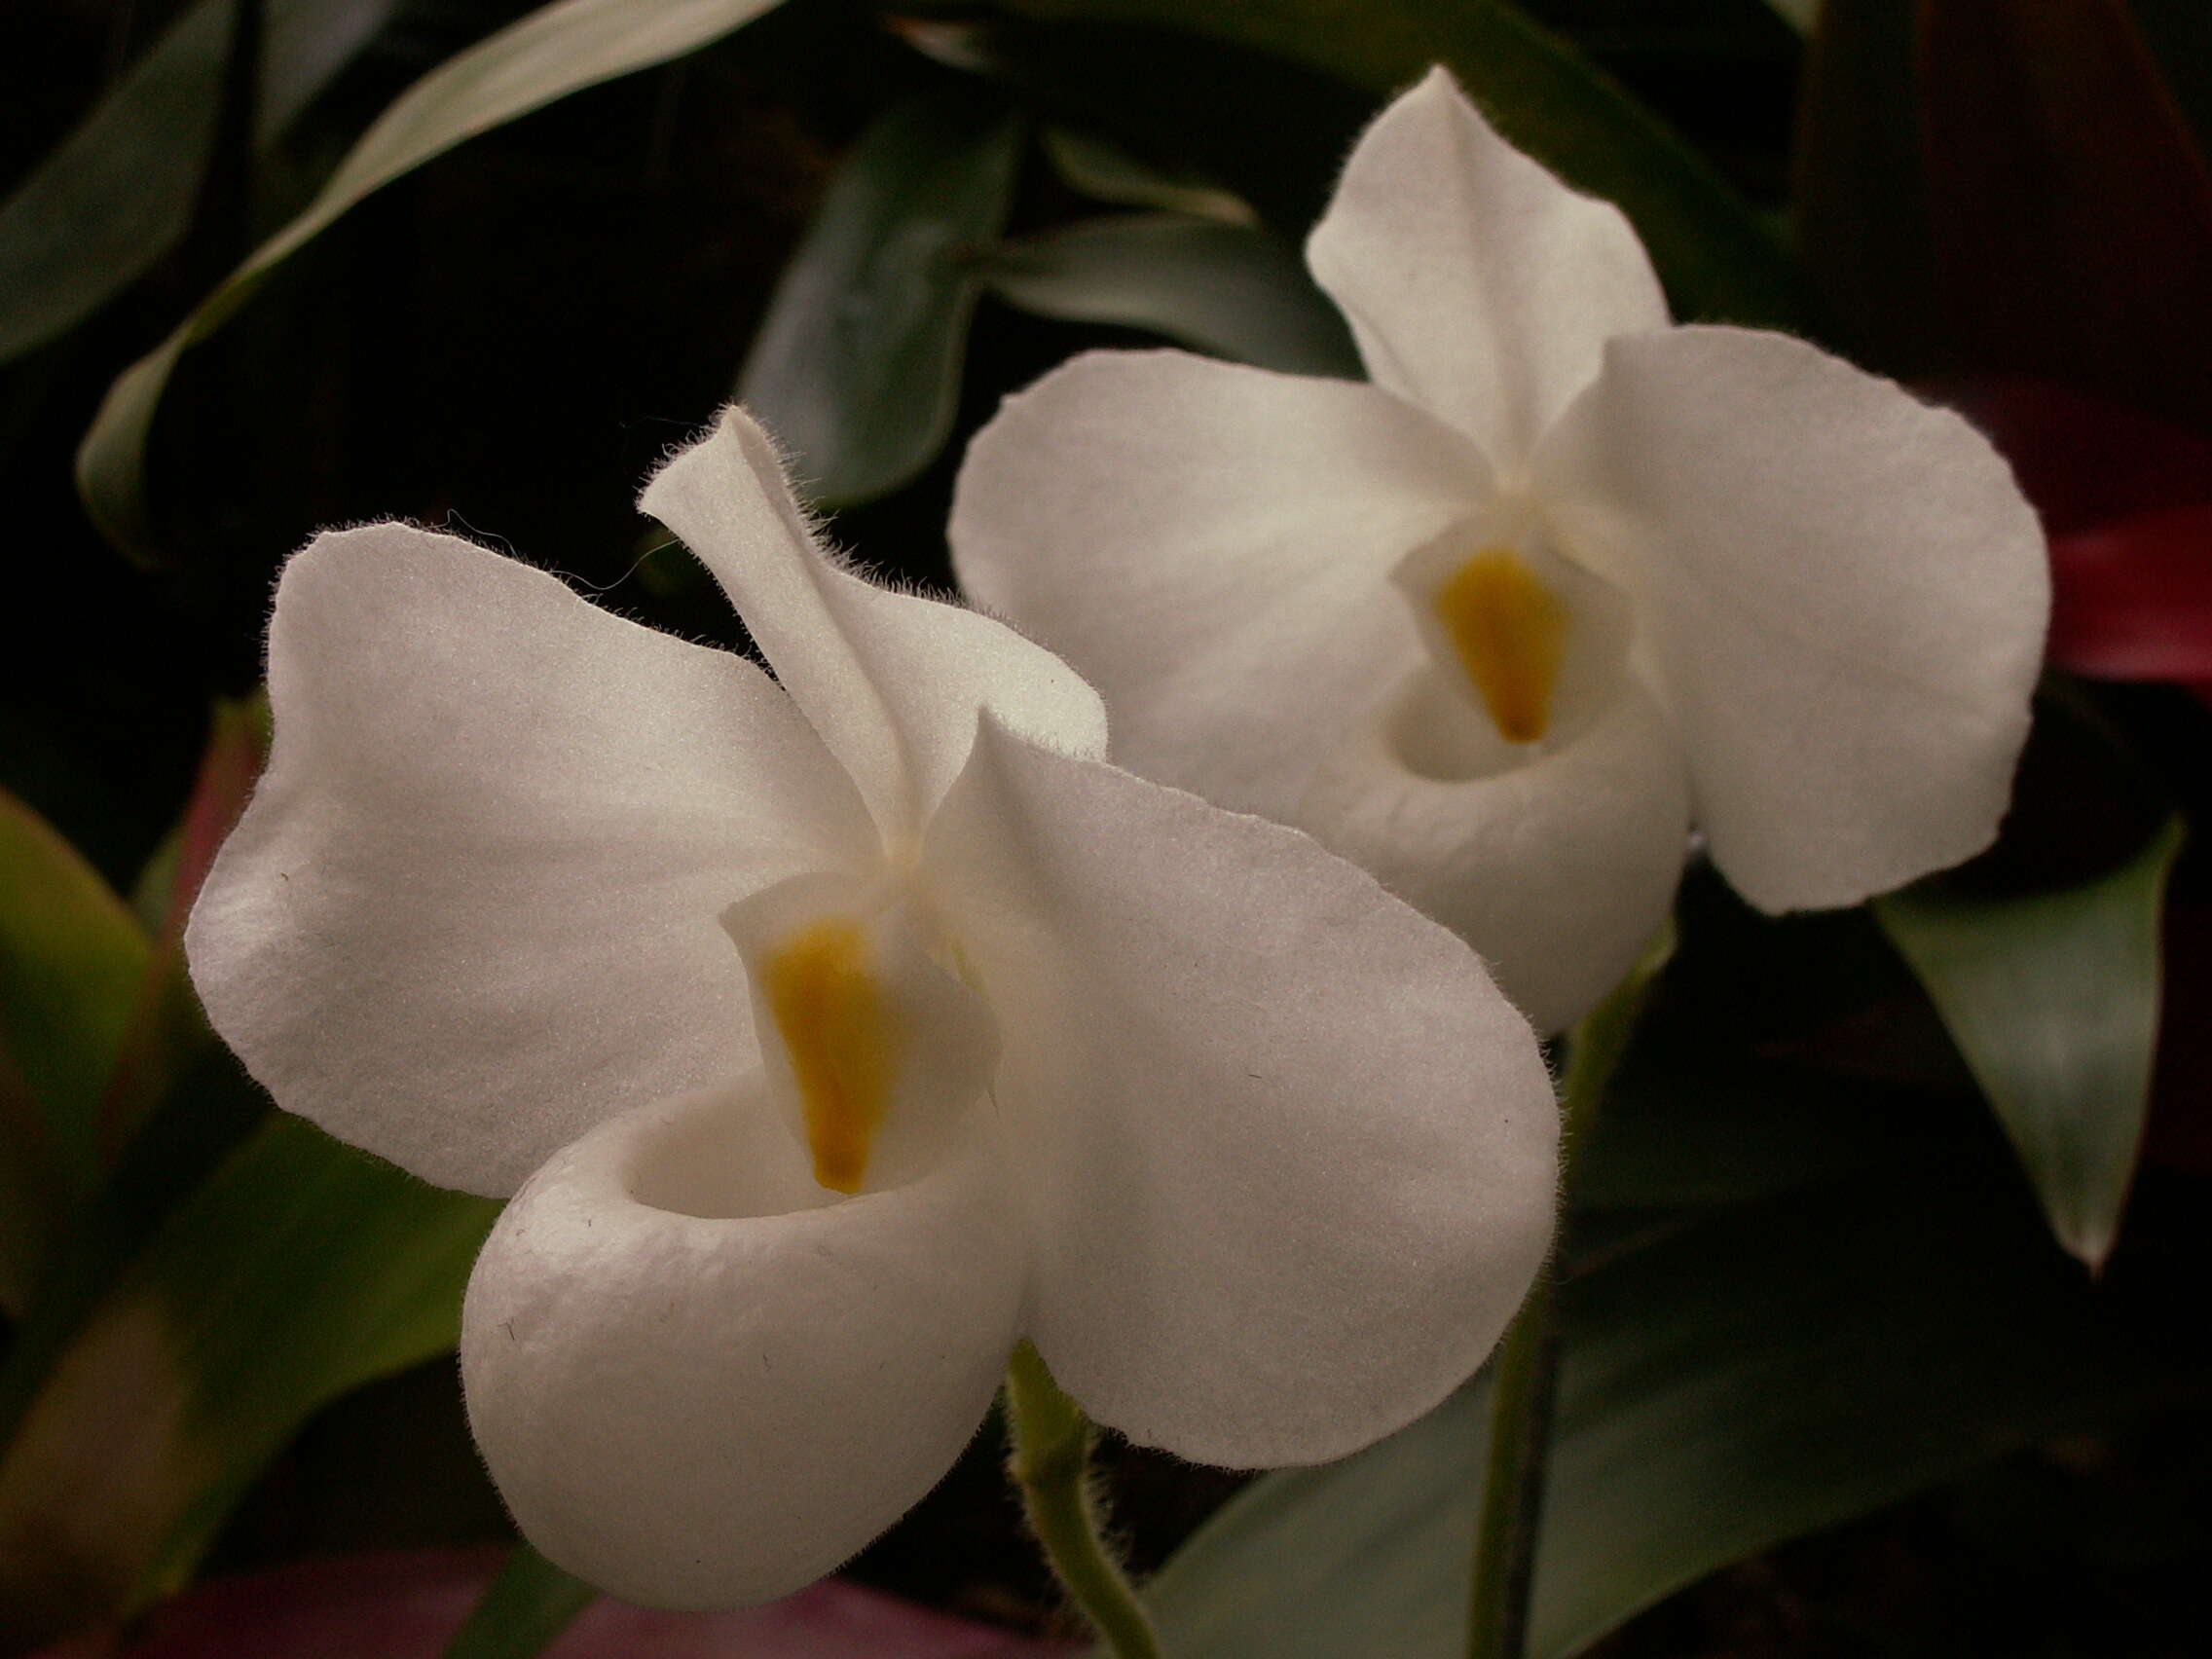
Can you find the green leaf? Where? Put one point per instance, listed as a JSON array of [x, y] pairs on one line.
[[1717, 258], [2054, 1002], [1726, 1130], [115, 194], [302, 1268], [858, 364], [1233, 290], [171, 1103], [555, 51], [71, 958], [528, 1603], [1774, 1370], [1107, 173], [1799, 15], [71, 962], [167, 1031], [1182, 104]]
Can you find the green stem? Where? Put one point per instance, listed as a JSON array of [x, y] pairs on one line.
[[1525, 1375], [1050, 1466]]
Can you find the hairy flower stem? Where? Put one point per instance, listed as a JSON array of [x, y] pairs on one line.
[[1051, 1465], [1525, 1373]]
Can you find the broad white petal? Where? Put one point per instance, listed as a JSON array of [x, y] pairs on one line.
[[1478, 285], [1289, 1152], [697, 1384], [1210, 546], [473, 908], [1842, 598], [892, 681], [1558, 869]]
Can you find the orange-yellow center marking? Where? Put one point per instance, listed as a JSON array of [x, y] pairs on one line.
[[1509, 631], [843, 1039]]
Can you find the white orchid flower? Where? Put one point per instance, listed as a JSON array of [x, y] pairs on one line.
[[855, 1029], [1560, 581]]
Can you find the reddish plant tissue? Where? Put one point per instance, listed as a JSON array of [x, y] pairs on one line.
[[407, 1604], [2127, 499]]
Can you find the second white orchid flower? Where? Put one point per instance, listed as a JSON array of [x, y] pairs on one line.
[[1008, 1044], [1561, 581]]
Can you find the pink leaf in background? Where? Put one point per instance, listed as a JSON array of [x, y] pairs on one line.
[[407, 1604]]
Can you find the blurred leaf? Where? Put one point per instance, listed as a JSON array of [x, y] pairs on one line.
[[1717, 258], [173, 1103], [528, 1603], [2132, 599], [1799, 15], [301, 1270], [1181, 105], [858, 364], [553, 52], [2085, 461], [1229, 290], [405, 1604], [166, 1028], [1859, 188], [2178, 35], [71, 958], [1106, 172], [1680, 1132], [1764, 1374], [117, 192], [2071, 205], [71, 961], [2054, 1002], [237, 743]]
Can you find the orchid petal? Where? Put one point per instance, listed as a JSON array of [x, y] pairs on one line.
[[1210, 546], [697, 1384], [1289, 1152], [1557, 870], [471, 909], [1842, 595], [1477, 284], [892, 681]]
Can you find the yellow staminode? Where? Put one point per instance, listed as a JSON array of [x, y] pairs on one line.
[[843, 1041], [1510, 632]]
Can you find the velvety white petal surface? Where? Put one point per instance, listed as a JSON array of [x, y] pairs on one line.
[[1210, 546], [1843, 596], [1477, 284], [1557, 869], [697, 1384], [473, 908], [892, 681], [1288, 1152]]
